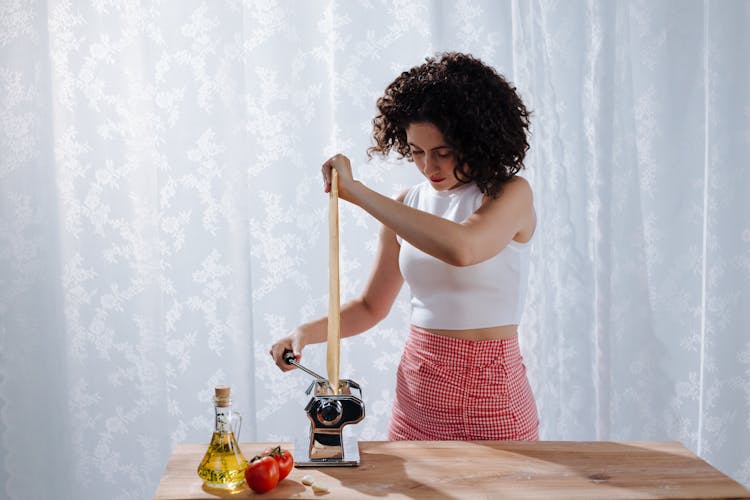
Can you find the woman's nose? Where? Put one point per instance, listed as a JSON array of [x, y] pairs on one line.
[[429, 164]]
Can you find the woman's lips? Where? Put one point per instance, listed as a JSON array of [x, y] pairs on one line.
[[437, 179]]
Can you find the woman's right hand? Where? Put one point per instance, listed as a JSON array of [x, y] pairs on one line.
[[292, 342]]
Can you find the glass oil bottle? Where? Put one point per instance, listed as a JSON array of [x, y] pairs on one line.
[[223, 465]]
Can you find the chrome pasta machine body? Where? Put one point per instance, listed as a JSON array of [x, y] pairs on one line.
[[329, 412]]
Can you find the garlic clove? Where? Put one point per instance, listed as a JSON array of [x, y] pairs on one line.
[[319, 488]]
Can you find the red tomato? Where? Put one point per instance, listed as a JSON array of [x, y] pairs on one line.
[[284, 458], [262, 474]]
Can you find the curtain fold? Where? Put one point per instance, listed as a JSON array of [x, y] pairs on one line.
[[162, 219]]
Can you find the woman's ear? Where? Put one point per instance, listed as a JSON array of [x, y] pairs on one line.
[[462, 172]]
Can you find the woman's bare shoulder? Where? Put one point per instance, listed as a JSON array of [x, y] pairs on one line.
[[402, 195]]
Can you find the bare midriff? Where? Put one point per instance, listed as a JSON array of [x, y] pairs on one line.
[[491, 333]]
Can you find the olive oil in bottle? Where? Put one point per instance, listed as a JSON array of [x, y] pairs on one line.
[[223, 465]]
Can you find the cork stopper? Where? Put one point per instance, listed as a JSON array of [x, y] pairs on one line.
[[221, 396]]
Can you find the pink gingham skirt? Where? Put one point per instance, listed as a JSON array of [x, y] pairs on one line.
[[456, 389]]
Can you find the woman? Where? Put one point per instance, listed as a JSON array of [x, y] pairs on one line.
[[460, 240]]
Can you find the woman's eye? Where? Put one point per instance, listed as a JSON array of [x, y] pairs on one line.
[[417, 153], [445, 155]]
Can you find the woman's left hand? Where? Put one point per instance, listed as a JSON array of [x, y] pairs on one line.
[[344, 169]]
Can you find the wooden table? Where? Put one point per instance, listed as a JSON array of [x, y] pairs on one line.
[[483, 469]]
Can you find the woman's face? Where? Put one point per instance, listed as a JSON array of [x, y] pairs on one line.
[[432, 155]]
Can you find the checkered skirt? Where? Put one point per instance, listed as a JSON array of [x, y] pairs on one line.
[[457, 389]]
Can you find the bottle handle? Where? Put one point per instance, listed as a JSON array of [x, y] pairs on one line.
[[236, 424]]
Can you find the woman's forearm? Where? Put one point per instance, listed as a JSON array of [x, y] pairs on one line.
[[443, 239], [356, 317]]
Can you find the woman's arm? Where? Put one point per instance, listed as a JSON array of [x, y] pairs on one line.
[[481, 236], [357, 315]]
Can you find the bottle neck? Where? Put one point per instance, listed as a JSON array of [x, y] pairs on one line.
[[222, 423]]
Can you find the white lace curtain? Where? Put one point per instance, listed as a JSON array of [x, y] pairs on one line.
[[162, 219]]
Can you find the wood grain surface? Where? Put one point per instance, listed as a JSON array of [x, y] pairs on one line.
[[483, 469], [334, 301]]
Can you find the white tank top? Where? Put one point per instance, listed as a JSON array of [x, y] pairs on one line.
[[490, 293]]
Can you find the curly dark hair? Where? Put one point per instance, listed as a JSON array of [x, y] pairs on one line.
[[477, 110]]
